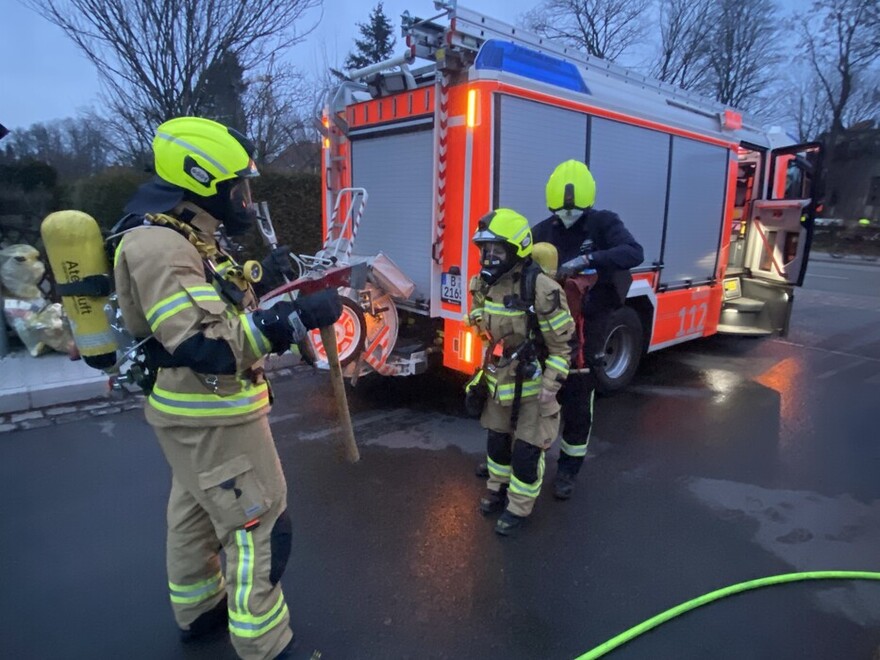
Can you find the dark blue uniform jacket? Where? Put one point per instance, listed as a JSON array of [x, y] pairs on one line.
[[615, 251]]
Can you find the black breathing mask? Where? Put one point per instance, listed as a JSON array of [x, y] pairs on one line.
[[233, 206], [495, 260]]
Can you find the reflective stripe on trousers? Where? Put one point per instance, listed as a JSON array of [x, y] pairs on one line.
[[241, 622], [190, 594], [528, 490], [579, 450]]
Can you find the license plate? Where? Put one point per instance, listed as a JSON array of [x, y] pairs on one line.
[[450, 288]]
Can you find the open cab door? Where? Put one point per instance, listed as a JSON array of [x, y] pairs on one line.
[[758, 301]]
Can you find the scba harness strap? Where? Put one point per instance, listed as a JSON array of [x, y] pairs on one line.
[[533, 347]]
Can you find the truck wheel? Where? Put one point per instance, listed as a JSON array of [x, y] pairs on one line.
[[623, 351], [351, 333]]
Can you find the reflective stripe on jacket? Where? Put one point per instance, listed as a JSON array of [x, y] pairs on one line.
[[163, 290], [509, 326]]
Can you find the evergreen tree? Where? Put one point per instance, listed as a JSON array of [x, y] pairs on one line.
[[377, 43], [222, 90]]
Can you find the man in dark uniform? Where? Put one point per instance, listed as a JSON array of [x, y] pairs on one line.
[[584, 238]]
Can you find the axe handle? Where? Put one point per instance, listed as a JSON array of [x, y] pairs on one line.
[[328, 338]]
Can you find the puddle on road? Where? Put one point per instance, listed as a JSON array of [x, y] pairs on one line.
[[434, 432], [810, 532], [409, 429]]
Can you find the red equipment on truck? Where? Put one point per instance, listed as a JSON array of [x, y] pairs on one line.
[[723, 207]]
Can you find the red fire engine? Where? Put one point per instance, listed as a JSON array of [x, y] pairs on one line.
[[413, 156]]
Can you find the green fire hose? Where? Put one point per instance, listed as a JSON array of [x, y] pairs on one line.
[[678, 610]]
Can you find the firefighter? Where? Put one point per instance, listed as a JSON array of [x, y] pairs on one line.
[[611, 250], [210, 400], [524, 316]]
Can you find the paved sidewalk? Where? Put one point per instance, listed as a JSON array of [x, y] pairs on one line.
[[53, 379], [35, 391]]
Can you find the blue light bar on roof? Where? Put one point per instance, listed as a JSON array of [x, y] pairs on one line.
[[512, 58]]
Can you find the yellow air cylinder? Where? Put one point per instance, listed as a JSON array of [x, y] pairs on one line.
[[76, 254], [546, 256]]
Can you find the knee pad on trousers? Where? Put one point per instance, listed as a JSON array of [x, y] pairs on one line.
[[498, 447], [280, 541], [525, 461]]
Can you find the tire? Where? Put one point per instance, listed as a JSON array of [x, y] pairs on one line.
[[624, 345]]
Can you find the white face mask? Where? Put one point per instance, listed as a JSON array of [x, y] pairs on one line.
[[569, 216]]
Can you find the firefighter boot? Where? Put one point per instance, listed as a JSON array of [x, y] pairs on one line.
[[509, 523], [208, 624], [493, 501], [563, 485]]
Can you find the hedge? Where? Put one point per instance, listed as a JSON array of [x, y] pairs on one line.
[[294, 200], [103, 195]]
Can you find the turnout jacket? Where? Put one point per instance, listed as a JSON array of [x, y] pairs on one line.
[[499, 313], [165, 289], [614, 251]]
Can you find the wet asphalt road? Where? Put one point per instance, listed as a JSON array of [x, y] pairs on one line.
[[727, 460]]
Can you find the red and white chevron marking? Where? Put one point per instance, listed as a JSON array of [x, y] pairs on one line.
[[442, 122], [356, 198], [378, 351]]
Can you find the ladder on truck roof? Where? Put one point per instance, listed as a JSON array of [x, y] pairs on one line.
[[468, 30]]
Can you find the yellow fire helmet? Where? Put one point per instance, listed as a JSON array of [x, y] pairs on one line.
[[571, 186], [504, 238], [505, 226], [196, 154]]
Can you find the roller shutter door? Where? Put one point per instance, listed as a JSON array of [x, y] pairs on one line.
[[532, 139], [397, 173], [697, 187]]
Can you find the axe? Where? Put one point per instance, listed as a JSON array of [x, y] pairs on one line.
[[331, 278]]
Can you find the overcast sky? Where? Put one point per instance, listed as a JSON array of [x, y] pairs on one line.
[[43, 76]]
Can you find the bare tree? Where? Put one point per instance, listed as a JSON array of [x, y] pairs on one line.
[[864, 104], [685, 27], [602, 28], [278, 105], [743, 53], [804, 110], [73, 147], [842, 47], [152, 55]]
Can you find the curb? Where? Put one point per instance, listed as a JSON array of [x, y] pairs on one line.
[[22, 399], [852, 260], [36, 406]]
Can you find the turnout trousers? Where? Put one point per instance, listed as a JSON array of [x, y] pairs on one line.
[[576, 396], [228, 491], [515, 457]]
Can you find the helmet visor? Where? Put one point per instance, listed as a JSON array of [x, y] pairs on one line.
[[493, 254], [240, 194], [241, 213]]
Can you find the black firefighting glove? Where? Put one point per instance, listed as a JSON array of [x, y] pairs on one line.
[[574, 266], [277, 268], [319, 310], [281, 325], [286, 323]]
